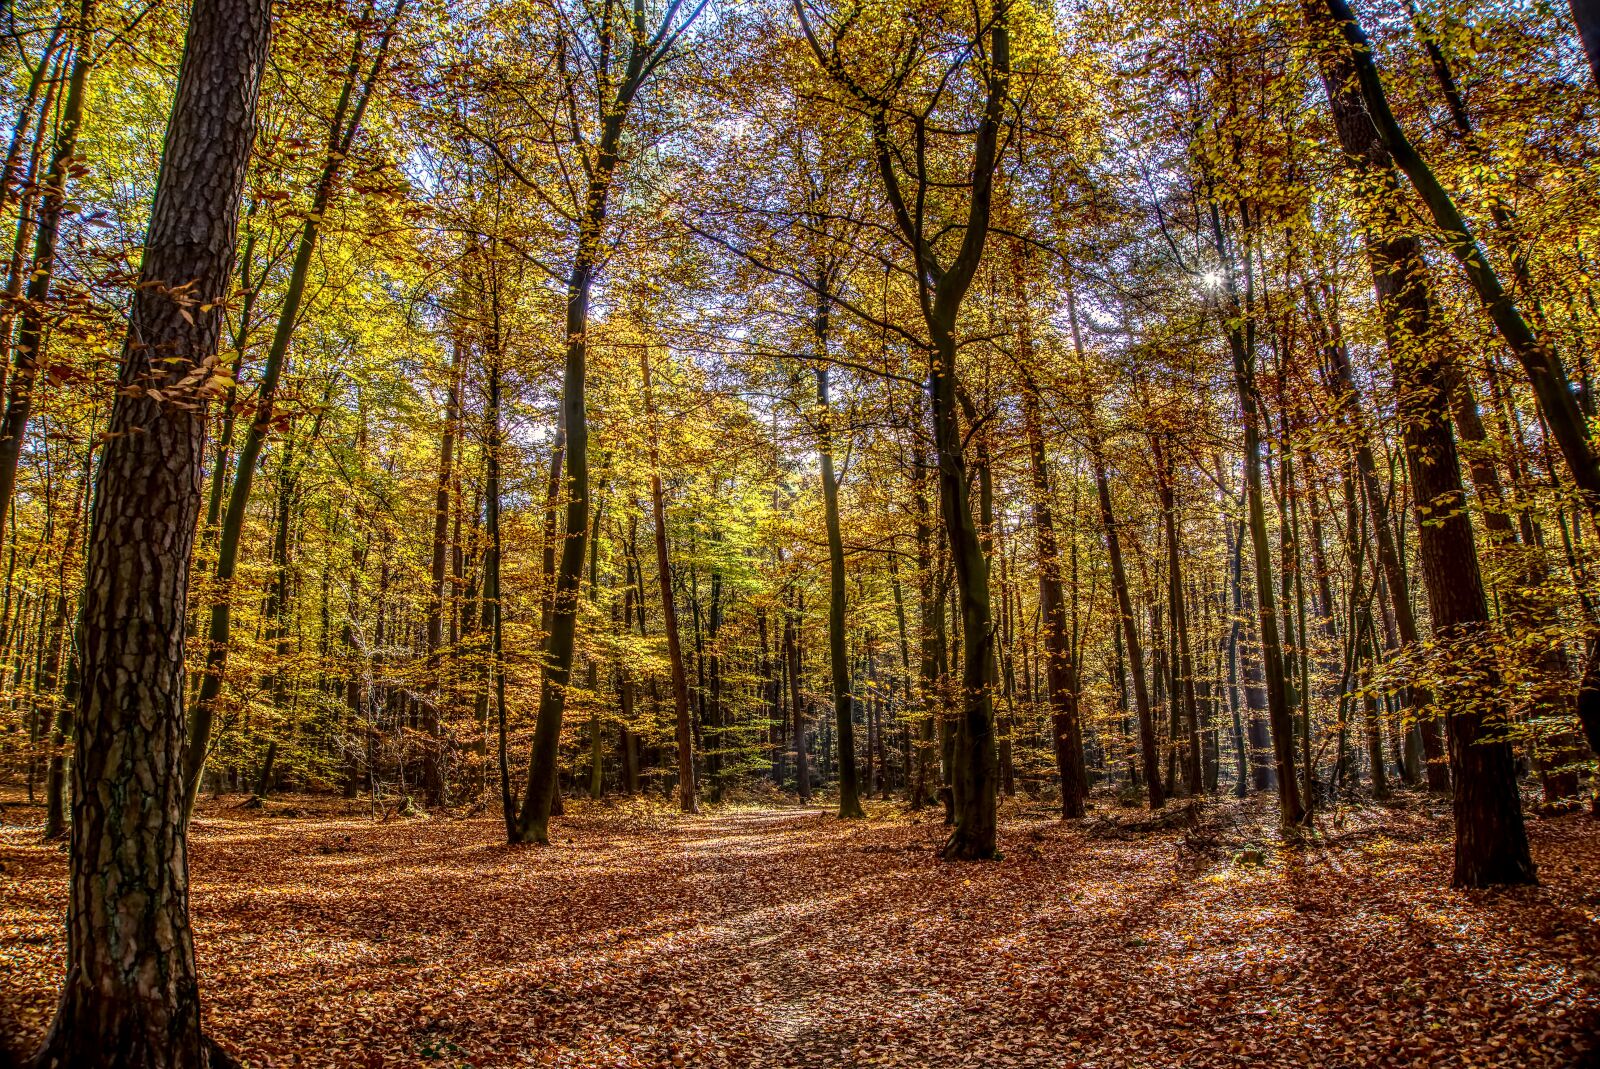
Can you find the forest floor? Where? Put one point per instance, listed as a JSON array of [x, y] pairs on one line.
[[784, 937]]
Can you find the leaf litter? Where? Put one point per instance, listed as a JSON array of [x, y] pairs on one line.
[[784, 937]]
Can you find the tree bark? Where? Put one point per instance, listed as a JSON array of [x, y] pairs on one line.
[[131, 998], [644, 53], [1241, 343], [1062, 684], [1491, 843], [839, 667]]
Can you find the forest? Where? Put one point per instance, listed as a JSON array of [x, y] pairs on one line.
[[799, 532]]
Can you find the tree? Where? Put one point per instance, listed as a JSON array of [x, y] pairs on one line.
[[942, 288], [616, 91], [131, 997]]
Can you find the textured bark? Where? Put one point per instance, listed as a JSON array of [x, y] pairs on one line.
[[131, 997]]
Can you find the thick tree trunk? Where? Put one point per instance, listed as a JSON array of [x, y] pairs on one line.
[[131, 998], [1491, 843], [974, 763]]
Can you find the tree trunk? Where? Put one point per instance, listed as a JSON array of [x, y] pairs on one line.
[[432, 771], [1183, 696], [342, 132], [669, 613], [533, 822], [1491, 843], [1241, 343], [839, 667], [802, 765], [1061, 669], [130, 997], [1130, 635]]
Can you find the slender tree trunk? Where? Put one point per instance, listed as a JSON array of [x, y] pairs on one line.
[[802, 765], [1183, 696], [669, 613], [1130, 635], [1061, 669], [493, 599], [839, 667], [942, 290], [432, 772], [1241, 343], [533, 822], [55, 823], [353, 99]]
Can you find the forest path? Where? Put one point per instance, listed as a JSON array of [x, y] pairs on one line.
[[785, 937]]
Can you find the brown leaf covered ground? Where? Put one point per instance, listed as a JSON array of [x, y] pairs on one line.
[[784, 937]]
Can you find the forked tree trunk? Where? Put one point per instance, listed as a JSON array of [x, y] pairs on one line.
[[942, 290], [642, 57]]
